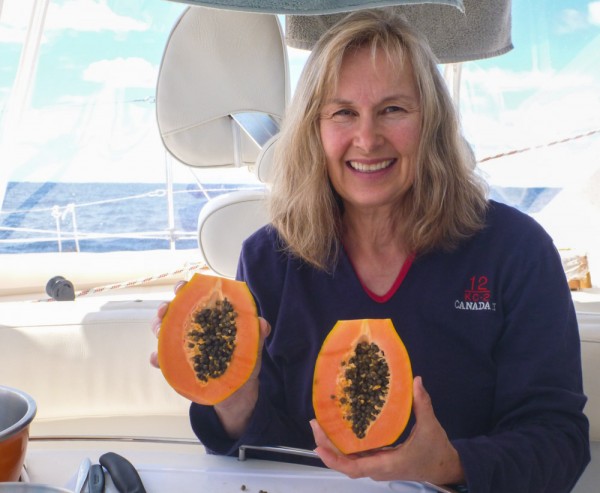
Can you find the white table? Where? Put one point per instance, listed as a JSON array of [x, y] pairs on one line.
[[184, 467]]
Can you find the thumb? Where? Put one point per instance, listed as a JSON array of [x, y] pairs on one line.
[[265, 330], [422, 405]]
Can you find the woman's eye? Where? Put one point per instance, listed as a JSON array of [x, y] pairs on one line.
[[393, 109], [342, 115]]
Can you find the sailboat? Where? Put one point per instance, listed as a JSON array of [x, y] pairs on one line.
[[136, 143]]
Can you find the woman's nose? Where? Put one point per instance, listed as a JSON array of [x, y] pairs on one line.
[[367, 135]]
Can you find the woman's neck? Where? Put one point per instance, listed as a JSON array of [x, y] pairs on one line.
[[375, 250]]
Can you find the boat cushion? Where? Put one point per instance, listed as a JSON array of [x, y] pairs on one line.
[[224, 223], [86, 364], [210, 71]]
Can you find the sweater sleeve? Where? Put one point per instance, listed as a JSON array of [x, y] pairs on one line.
[[268, 426], [538, 421]]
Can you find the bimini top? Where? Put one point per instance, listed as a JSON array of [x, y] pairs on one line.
[[310, 7], [457, 30]]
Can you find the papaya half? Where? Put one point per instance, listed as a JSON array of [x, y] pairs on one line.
[[362, 385], [208, 340]]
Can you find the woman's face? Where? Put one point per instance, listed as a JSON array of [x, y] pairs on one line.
[[370, 129]]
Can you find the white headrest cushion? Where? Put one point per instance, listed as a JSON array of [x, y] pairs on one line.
[[224, 223], [263, 168], [218, 62]]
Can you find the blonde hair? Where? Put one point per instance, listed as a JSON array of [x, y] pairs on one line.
[[446, 203]]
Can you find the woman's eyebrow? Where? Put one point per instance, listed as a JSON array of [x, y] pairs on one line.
[[337, 101], [393, 97]]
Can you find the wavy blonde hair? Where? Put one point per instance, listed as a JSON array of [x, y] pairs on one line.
[[447, 201]]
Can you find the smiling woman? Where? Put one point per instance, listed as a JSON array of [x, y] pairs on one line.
[[490, 327], [346, 244]]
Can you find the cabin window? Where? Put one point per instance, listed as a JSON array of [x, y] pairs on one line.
[[83, 167], [533, 118]]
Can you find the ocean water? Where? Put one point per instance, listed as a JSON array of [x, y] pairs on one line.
[[47, 217]]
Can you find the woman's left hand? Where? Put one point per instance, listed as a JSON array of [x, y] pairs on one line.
[[426, 455]]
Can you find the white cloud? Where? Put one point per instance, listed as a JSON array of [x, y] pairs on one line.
[[90, 15], [78, 15], [497, 79], [594, 13], [572, 20], [576, 20], [14, 19], [11, 35], [122, 72]]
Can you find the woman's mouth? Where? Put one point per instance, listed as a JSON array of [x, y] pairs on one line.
[[371, 167]]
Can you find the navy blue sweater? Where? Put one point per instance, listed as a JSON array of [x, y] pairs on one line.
[[490, 327]]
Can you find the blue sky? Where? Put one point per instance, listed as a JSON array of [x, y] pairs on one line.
[[92, 98]]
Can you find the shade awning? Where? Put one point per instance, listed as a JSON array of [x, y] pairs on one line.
[[310, 7], [457, 30], [482, 30]]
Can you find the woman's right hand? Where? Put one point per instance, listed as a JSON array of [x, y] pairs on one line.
[[235, 411], [160, 313]]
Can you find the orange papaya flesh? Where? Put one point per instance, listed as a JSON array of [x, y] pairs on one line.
[[208, 340], [362, 385]]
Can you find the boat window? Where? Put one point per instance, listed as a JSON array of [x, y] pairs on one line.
[[533, 118], [83, 164]]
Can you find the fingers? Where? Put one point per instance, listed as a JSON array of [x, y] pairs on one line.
[[325, 449], [154, 359], [319, 434], [162, 309], [408, 461], [157, 320], [155, 326], [354, 465]]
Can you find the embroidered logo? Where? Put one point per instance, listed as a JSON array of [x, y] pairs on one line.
[[477, 296]]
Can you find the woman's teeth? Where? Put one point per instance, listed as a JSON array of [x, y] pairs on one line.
[[370, 168]]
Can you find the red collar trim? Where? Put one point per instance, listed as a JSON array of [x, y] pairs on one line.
[[401, 275]]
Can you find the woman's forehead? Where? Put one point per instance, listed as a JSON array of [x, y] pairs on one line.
[[367, 63]]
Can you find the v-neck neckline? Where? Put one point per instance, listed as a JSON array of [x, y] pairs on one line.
[[395, 286]]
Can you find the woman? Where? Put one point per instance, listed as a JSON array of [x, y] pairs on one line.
[[377, 213]]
